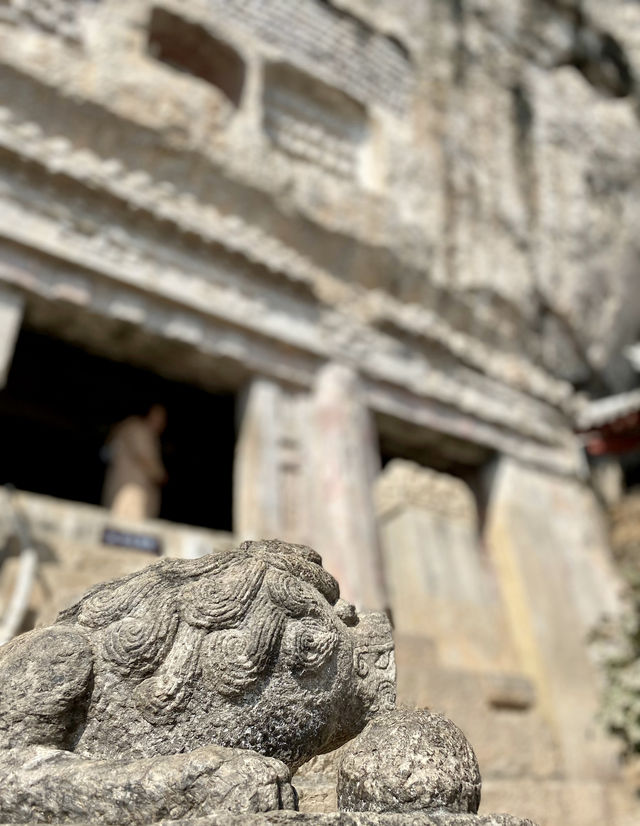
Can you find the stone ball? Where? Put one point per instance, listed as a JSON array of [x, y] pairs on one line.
[[408, 761]]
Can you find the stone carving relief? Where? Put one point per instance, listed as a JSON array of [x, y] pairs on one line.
[[346, 52], [312, 121], [189, 686], [161, 198], [194, 688]]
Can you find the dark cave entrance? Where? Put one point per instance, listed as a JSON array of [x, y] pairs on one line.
[[60, 404]]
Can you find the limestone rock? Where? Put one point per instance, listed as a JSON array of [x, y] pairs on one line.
[[351, 819], [39, 782], [118, 712], [407, 761]]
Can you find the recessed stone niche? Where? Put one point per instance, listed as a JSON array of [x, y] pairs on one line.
[[189, 47], [313, 121]]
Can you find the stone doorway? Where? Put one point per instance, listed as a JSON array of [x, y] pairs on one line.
[[56, 412]]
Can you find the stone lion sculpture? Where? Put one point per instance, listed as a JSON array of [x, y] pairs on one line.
[[190, 686]]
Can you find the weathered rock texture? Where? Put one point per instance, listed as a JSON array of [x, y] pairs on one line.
[[440, 583], [409, 761], [184, 690], [357, 184], [345, 819], [118, 712], [349, 819], [494, 604], [305, 467], [441, 196], [39, 784], [557, 582]]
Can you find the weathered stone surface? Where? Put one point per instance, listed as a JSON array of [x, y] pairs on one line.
[[558, 582], [404, 485], [315, 783], [435, 568], [466, 258], [271, 476], [407, 761], [515, 108], [39, 782], [345, 461], [344, 819], [305, 465], [263, 259], [72, 557], [510, 741], [133, 691], [554, 802]]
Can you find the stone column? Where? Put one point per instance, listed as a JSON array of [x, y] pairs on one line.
[[271, 497], [547, 539], [11, 312], [344, 464]]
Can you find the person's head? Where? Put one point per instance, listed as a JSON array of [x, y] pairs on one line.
[[157, 418]]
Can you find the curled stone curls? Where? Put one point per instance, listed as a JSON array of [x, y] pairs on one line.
[[234, 615]]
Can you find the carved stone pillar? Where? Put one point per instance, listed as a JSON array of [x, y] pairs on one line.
[[11, 312], [441, 585], [344, 464], [271, 498]]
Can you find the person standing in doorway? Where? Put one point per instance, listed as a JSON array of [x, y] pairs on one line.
[[136, 473]]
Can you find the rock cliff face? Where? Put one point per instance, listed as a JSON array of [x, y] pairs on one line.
[[485, 149], [397, 227], [523, 180]]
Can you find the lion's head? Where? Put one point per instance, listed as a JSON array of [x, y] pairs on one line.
[[250, 648]]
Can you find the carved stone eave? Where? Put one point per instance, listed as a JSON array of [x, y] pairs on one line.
[[413, 321], [138, 191], [74, 286], [268, 258], [126, 246], [212, 311]]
